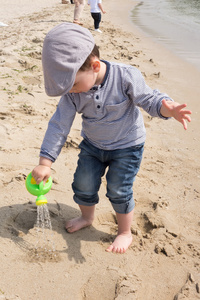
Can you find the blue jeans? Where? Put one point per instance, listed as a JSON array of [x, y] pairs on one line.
[[123, 165]]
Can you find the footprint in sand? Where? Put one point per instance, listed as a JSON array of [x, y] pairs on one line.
[[127, 287], [190, 290], [111, 284]]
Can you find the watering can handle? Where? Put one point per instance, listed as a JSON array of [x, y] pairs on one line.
[[41, 185]]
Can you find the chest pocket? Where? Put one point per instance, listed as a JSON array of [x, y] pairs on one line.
[[116, 112]]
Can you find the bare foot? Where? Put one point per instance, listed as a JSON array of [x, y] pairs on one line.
[[77, 22], [120, 244], [77, 223]]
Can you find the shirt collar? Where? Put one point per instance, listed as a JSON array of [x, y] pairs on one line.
[[96, 87]]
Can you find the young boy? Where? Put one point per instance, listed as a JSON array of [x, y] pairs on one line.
[[108, 95], [95, 9]]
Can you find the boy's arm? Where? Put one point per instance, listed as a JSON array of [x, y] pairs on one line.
[[177, 111], [152, 101], [58, 129], [101, 8], [55, 137]]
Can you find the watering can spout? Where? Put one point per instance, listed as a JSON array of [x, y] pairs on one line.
[[41, 200]]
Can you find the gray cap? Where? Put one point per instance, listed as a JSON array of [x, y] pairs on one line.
[[65, 49]]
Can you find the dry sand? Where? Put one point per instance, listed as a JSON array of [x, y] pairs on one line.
[[163, 262]]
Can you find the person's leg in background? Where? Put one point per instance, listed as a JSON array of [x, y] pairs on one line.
[[78, 10], [97, 20]]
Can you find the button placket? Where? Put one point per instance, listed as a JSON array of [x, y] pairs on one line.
[[97, 102]]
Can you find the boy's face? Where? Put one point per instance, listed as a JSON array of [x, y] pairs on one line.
[[85, 80]]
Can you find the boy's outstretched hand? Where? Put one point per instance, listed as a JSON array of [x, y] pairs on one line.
[[177, 111]]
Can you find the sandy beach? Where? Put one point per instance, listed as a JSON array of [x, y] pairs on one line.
[[163, 262]]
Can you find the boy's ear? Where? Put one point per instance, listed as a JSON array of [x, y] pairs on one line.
[[96, 66]]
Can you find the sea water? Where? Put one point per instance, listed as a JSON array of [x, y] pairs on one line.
[[174, 23]]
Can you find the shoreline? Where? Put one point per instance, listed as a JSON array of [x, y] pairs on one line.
[[150, 44], [121, 9], [179, 38], [165, 228]]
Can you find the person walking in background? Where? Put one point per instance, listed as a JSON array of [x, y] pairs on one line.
[[95, 9], [78, 9]]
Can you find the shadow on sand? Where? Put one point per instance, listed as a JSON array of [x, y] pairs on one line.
[[18, 220]]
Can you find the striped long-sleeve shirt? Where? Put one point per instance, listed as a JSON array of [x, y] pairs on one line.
[[111, 118]]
